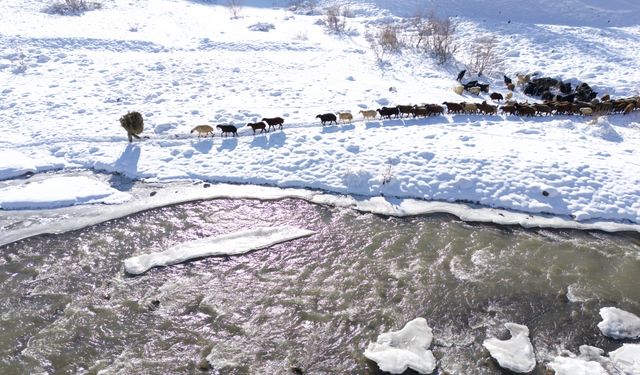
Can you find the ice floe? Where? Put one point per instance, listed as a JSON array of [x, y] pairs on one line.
[[397, 351], [229, 244], [516, 353], [619, 324], [627, 358]]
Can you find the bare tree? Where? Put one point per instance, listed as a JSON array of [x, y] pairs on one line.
[[335, 19], [434, 36], [234, 7], [484, 55]]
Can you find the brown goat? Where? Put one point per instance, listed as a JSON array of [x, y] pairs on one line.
[[273, 122], [203, 129], [258, 125]]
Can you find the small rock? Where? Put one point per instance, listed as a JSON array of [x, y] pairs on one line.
[[153, 193], [206, 185]]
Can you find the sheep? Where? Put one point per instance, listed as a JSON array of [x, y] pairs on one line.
[[475, 90], [507, 80], [543, 108], [203, 130], [586, 111], [405, 110], [523, 79], [508, 95], [508, 109], [458, 89], [228, 129], [453, 107], [273, 122], [629, 108], [369, 114], [388, 111], [330, 117], [470, 107], [487, 109], [496, 96], [525, 110], [132, 122], [434, 109], [420, 111], [605, 97], [344, 116], [461, 75], [258, 125], [511, 87]]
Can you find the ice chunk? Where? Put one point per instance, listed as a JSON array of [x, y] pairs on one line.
[[230, 244], [627, 358], [60, 192], [515, 354], [576, 366], [619, 324], [397, 351]]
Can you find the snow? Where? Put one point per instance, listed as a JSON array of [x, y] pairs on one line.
[[59, 192], [627, 358], [619, 324], [230, 244], [516, 353], [67, 80], [397, 351]]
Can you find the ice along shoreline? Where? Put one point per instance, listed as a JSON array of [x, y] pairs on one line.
[[22, 224]]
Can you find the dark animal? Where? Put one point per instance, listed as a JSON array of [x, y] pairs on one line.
[[405, 110], [132, 122], [273, 122], [507, 80], [461, 75], [388, 111], [454, 107], [511, 86], [228, 129], [258, 125], [330, 117], [496, 96]]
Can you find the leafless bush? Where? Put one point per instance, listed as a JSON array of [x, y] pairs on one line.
[[306, 7], [72, 7], [435, 36], [234, 7], [387, 39], [484, 55], [336, 19]]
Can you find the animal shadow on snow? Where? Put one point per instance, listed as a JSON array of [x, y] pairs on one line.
[[337, 128], [127, 163], [228, 144], [277, 139], [203, 146], [260, 141]]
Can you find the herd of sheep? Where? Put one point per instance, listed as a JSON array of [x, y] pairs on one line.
[[558, 105]]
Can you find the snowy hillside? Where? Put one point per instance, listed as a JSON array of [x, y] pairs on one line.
[[66, 80]]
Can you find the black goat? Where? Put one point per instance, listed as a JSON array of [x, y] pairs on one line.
[[388, 111], [328, 117], [228, 129], [461, 75], [258, 125], [275, 121]]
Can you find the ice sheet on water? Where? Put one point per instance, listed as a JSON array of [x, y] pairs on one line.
[[230, 244], [619, 324]]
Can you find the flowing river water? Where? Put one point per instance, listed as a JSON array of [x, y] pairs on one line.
[[306, 306]]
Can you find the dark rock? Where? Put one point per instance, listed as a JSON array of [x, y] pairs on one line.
[[153, 193]]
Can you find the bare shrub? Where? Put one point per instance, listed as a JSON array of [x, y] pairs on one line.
[[435, 36], [234, 7], [484, 55], [306, 7], [72, 7], [336, 19], [387, 39]]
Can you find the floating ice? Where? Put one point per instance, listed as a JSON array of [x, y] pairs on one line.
[[515, 354], [627, 358], [60, 192], [397, 351], [619, 324], [229, 244], [576, 366]]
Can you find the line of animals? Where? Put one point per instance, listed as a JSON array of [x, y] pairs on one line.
[[567, 104]]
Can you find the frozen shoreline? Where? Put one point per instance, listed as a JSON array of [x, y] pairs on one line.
[[21, 224]]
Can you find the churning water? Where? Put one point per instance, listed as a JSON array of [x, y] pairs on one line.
[[310, 305]]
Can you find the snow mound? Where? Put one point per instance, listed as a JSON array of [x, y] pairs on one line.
[[619, 324], [230, 244], [515, 354], [14, 163], [627, 358], [60, 192], [397, 351]]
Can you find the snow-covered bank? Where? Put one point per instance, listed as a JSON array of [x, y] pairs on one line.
[[20, 224], [181, 63], [230, 244]]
